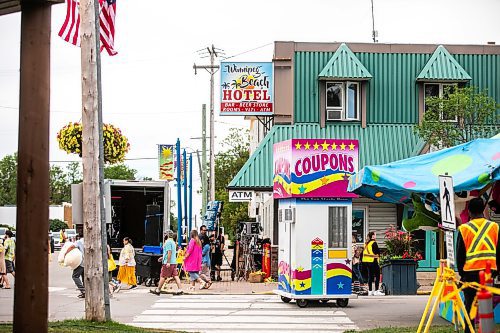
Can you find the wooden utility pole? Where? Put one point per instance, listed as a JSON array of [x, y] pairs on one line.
[[31, 292], [204, 159], [94, 285]]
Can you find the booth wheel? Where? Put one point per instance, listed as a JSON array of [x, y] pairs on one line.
[[342, 302], [286, 299], [302, 303]]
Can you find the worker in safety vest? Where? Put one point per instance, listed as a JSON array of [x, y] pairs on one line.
[[477, 244], [371, 254]]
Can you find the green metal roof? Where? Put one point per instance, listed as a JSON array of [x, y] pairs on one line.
[[344, 65], [443, 67], [392, 93], [378, 144]]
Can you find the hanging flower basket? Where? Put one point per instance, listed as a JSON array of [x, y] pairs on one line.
[[116, 144]]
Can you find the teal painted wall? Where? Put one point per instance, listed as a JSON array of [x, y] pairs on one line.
[[392, 96]]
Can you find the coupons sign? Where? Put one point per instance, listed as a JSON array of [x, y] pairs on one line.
[[246, 88]]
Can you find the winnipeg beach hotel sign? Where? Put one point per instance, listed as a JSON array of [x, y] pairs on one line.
[[246, 88]]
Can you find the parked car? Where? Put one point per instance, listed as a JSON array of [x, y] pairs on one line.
[[2, 232], [70, 233], [56, 236]]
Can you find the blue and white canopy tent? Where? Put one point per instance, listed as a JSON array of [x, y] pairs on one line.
[[473, 165]]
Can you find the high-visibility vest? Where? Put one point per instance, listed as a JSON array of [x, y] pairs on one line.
[[368, 255], [480, 238]]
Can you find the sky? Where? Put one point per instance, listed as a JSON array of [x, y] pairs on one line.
[[150, 90]]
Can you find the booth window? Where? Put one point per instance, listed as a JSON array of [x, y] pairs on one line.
[[337, 227], [342, 101], [359, 224], [440, 90]]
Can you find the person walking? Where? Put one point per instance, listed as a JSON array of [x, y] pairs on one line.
[[217, 254], [477, 246], [3, 270], [169, 265], [113, 285], [78, 272], [62, 236], [371, 254], [10, 257], [192, 260], [205, 262], [356, 266], [126, 272]]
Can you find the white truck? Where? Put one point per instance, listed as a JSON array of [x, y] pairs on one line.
[[136, 209]]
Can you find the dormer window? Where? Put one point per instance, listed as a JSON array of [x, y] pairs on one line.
[[439, 90], [342, 101]]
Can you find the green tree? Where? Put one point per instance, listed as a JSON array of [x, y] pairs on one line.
[[8, 180], [460, 115], [119, 171], [60, 187], [74, 172], [57, 225], [227, 164]]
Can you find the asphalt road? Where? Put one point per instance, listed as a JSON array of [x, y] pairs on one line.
[[138, 307]]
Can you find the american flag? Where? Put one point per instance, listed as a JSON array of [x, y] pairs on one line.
[[70, 30]]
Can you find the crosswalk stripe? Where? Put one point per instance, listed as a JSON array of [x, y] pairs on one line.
[[230, 313], [225, 312]]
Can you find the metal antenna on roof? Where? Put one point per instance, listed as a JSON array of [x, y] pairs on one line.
[[374, 32]]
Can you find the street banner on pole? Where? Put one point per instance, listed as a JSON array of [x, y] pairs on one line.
[[246, 88], [166, 162], [446, 197]]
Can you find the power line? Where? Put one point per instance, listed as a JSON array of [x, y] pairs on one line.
[[244, 52], [112, 113]]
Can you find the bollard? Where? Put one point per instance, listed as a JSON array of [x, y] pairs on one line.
[[485, 308]]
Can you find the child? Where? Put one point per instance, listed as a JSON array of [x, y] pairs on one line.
[[180, 260], [205, 263]]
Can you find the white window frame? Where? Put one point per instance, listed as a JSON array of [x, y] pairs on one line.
[[441, 85], [365, 226], [343, 108]]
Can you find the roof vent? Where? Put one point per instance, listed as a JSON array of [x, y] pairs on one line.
[[491, 43]]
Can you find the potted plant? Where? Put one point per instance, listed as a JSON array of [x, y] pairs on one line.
[[116, 144], [399, 263]]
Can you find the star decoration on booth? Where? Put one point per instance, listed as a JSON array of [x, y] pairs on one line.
[[334, 146], [300, 269], [325, 145], [346, 176], [324, 180], [298, 145], [348, 261], [302, 189], [302, 284], [342, 146], [307, 145], [316, 146], [352, 146], [340, 285]]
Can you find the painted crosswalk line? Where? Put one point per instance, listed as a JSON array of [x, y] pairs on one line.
[[230, 313]]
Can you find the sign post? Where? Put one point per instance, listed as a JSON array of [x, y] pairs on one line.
[[447, 199]]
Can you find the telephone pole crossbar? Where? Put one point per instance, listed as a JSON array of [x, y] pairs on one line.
[[213, 52]]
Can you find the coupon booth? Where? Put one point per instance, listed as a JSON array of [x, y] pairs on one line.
[[315, 218]]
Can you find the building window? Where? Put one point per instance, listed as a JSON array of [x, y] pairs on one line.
[[342, 101], [337, 227], [440, 90], [359, 224]]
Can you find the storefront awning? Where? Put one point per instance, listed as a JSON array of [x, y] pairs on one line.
[[443, 67], [473, 165], [344, 65]]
